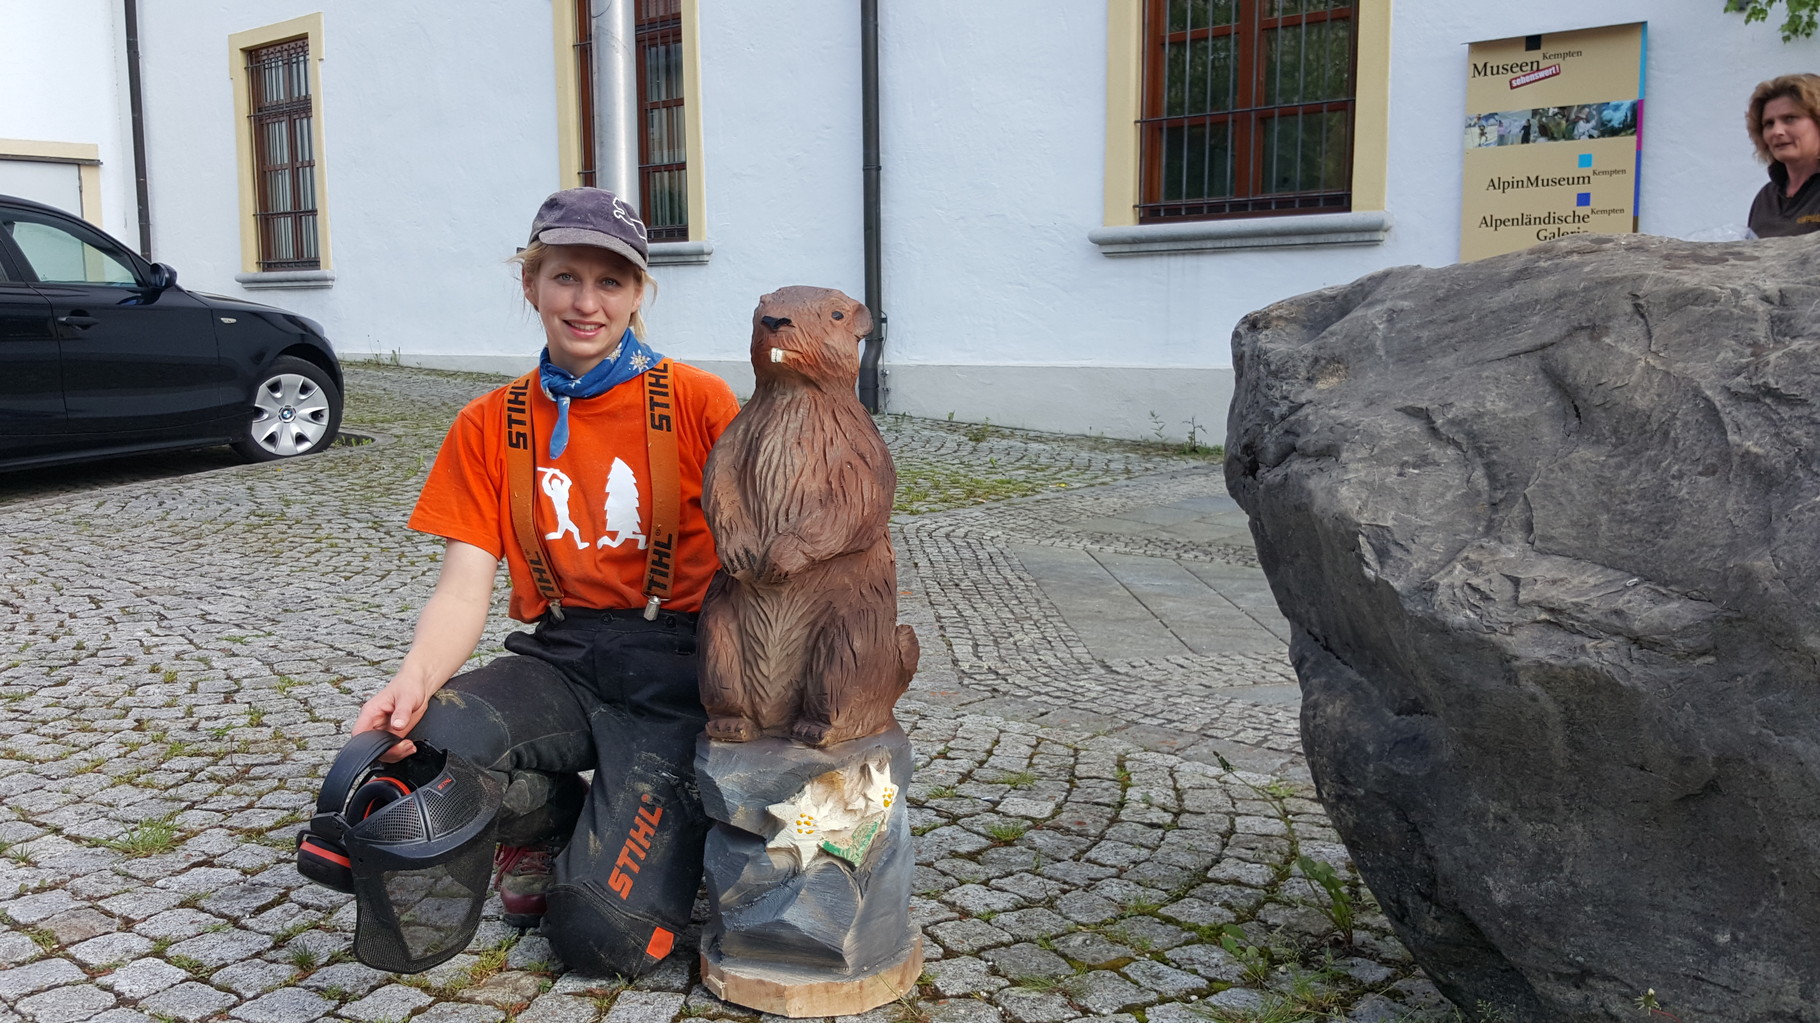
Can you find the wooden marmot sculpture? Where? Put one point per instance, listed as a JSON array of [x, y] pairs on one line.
[[799, 630]]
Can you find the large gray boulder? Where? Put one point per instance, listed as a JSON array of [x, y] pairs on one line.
[[1547, 528]]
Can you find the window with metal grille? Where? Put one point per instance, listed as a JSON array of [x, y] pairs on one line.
[[663, 159], [1248, 108], [284, 157], [663, 156]]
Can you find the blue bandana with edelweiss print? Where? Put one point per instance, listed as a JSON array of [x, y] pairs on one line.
[[631, 358]]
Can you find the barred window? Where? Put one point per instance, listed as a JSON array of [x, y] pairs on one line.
[[1248, 108], [663, 156], [284, 157], [663, 159]]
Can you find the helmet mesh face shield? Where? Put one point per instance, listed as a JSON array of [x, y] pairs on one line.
[[421, 862]]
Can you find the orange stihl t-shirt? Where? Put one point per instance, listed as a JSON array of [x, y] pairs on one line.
[[593, 504]]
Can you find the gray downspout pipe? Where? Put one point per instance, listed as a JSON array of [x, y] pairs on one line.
[[616, 99], [875, 287], [136, 103]]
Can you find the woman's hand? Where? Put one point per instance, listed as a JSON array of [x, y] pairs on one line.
[[447, 632]]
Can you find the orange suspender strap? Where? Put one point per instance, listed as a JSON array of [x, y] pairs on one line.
[[521, 471], [666, 484]]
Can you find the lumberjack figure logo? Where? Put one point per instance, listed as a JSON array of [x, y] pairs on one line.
[[556, 484], [621, 510]]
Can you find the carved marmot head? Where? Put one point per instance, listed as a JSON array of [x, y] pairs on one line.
[[812, 333]]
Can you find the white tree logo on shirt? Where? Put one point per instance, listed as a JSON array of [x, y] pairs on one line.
[[556, 485], [622, 507]]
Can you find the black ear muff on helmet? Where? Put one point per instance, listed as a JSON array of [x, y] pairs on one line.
[[413, 841], [325, 862], [377, 794], [323, 858]]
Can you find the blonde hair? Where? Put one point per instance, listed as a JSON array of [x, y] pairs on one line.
[[530, 260], [1804, 89]]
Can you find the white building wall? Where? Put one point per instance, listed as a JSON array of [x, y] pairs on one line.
[[1699, 171], [994, 165], [63, 79], [993, 276], [993, 153], [780, 106], [441, 140]]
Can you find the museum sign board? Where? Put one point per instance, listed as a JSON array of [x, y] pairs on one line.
[[1554, 138]]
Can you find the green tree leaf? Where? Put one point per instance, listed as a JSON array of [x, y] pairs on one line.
[[1799, 24]]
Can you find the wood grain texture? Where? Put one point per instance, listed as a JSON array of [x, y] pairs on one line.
[[799, 630], [785, 993]]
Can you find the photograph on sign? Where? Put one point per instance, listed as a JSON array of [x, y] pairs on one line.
[[1552, 124]]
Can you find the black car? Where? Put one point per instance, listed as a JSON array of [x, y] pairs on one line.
[[101, 353]]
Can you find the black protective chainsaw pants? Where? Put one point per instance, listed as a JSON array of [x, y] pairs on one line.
[[610, 692]]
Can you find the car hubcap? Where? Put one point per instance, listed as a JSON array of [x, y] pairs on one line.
[[290, 414]]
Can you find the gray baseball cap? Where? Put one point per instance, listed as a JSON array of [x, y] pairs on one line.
[[591, 216]]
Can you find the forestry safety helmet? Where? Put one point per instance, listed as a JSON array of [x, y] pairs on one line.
[[413, 841]]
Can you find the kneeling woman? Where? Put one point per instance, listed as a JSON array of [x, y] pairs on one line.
[[606, 480]]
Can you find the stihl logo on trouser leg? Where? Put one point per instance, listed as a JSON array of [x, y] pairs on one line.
[[638, 845]]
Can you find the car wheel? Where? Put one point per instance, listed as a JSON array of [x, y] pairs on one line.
[[296, 410]]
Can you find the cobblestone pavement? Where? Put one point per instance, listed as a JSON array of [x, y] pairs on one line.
[[182, 641]]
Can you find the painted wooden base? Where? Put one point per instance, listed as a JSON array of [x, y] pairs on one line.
[[786, 993]]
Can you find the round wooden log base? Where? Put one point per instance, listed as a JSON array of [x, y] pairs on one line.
[[797, 994]]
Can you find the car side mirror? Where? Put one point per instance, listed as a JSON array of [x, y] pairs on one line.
[[163, 276]]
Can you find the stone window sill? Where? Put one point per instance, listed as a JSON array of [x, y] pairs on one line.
[[1367, 227], [680, 253], [286, 279]]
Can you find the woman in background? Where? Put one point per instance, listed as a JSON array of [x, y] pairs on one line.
[[1784, 124]]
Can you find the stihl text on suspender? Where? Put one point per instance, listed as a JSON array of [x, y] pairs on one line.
[[666, 483]]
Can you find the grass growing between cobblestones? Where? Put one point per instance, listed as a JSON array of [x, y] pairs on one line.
[[909, 1010], [44, 939], [1145, 838], [1061, 874], [927, 485], [946, 465], [1007, 832], [147, 838]]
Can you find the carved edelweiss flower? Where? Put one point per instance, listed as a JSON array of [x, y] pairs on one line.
[[802, 821], [836, 814], [879, 790]]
